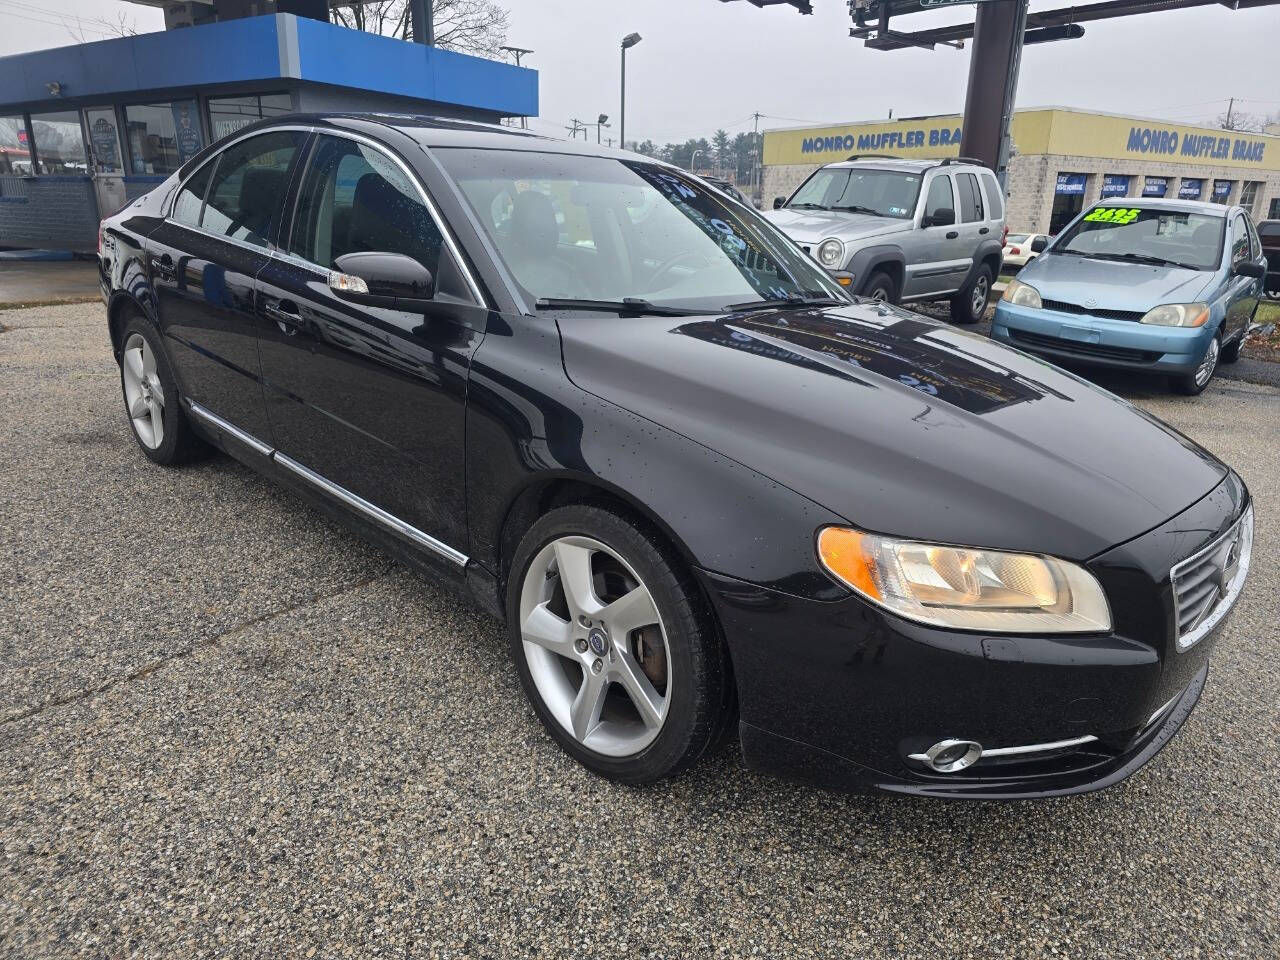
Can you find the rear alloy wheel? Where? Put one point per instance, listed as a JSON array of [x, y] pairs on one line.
[[970, 304], [151, 398], [613, 645], [1193, 384]]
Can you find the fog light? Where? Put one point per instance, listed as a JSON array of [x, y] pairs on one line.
[[950, 756]]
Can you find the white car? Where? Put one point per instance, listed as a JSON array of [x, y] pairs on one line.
[[1022, 247]]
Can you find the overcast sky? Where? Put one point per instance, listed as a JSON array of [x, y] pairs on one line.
[[704, 64]]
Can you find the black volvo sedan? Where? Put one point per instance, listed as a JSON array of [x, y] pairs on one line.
[[707, 492]]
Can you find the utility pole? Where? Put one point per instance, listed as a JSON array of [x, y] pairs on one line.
[[577, 125], [755, 159], [1230, 106], [422, 17]]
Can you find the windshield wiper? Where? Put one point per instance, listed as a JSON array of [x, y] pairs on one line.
[[784, 302], [855, 208], [627, 305], [806, 206], [1138, 258]]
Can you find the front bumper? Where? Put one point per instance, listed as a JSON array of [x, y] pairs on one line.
[[843, 694], [1096, 340]]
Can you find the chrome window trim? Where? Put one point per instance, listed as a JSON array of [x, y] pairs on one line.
[[168, 213], [427, 201], [211, 418], [1232, 594], [374, 512], [370, 510]]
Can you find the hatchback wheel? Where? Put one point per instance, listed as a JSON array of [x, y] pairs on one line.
[[151, 398], [1193, 383], [615, 648]]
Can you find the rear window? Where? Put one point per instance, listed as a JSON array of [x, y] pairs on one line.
[[994, 199]]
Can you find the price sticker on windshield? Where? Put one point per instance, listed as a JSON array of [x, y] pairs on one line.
[[1116, 215]]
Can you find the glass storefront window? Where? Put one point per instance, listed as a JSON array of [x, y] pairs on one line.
[[162, 136], [15, 154], [104, 140], [229, 114], [59, 143]]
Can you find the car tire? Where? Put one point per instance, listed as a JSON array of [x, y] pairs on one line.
[[1231, 352], [566, 648], [1193, 384], [880, 286], [965, 306], [151, 398]]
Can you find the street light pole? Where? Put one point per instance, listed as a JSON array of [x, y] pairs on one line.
[[630, 40]]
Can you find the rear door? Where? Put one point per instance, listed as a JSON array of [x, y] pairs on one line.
[[370, 399], [203, 259], [974, 227], [941, 260]]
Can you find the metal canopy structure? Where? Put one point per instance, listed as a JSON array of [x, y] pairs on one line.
[[999, 30]]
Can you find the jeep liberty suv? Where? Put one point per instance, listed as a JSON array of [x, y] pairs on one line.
[[901, 230]]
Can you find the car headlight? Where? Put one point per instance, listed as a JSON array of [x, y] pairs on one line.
[[1021, 295], [1178, 315], [966, 588], [830, 253]]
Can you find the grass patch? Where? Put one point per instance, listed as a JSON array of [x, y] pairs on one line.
[[1261, 347]]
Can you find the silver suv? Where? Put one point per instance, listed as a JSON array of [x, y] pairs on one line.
[[898, 230]]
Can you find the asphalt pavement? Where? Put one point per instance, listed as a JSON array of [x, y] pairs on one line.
[[228, 728]]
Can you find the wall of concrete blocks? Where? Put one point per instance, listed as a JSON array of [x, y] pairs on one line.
[[1032, 179], [51, 212]]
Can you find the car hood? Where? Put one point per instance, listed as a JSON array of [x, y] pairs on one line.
[[814, 226], [1114, 286], [901, 425]]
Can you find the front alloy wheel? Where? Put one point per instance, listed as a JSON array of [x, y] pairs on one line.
[[615, 646]]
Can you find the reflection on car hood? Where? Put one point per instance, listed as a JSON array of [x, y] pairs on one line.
[[873, 412], [814, 226], [1135, 287]]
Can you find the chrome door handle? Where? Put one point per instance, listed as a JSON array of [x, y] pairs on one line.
[[163, 267], [286, 316]]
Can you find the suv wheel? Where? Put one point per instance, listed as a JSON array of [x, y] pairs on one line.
[[880, 286], [970, 304], [1192, 384]]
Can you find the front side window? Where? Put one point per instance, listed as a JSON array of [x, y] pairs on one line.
[[1146, 235], [355, 199], [246, 194], [1256, 248], [59, 143], [15, 150], [881, 193], [162, 136], [940, 198], [1239, 240], [970, 198], [596, 228]]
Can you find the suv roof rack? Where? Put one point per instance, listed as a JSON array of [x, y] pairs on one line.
[[871, 156], [948, 161]]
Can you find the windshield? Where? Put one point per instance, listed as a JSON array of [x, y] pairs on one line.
[[600, 229], [1169, 237], [882, 193]]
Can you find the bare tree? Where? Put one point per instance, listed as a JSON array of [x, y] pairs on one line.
[[1239, 120], [468, 26], [86, 30]]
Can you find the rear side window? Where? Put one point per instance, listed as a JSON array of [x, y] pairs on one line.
[[940, 198], [970, 197], [190, 202], [249, 187], [995, 202]]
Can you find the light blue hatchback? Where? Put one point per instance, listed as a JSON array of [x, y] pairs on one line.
[[1165, 286]]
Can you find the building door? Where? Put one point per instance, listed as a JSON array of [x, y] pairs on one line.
[[106, 160], [371, 398], [1068, 200]]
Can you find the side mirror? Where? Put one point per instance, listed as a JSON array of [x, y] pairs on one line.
[[382, 279], [1038, 244], [778, 202], [1247, 268], [942, 217]]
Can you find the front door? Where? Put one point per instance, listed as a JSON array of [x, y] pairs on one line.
[[203, 259], [371, 399], [1243, 293]]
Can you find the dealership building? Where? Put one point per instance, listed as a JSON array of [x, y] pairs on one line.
[[1062, 160], [85, 128]]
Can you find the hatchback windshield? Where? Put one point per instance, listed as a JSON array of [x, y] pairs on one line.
[[883, 193], [600, 229], [1161, 237]]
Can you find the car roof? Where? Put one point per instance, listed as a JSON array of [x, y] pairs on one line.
[[1169, 203]]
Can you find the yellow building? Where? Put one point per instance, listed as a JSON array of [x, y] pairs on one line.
[[1063, 159]]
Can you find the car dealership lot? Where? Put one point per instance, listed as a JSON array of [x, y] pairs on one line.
[[230, 728]]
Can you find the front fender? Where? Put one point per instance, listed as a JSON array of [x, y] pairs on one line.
[[868, 259]]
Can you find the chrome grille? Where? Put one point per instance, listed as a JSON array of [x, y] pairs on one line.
[[1207, 584]]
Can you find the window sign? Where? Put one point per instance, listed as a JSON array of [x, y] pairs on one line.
[[187, 130], [104, 140], [1221, 190], [1071, 183], [162, 136], [1115, 185], [1155, 187], [229, 114], [1190, 189], [15, 155]]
